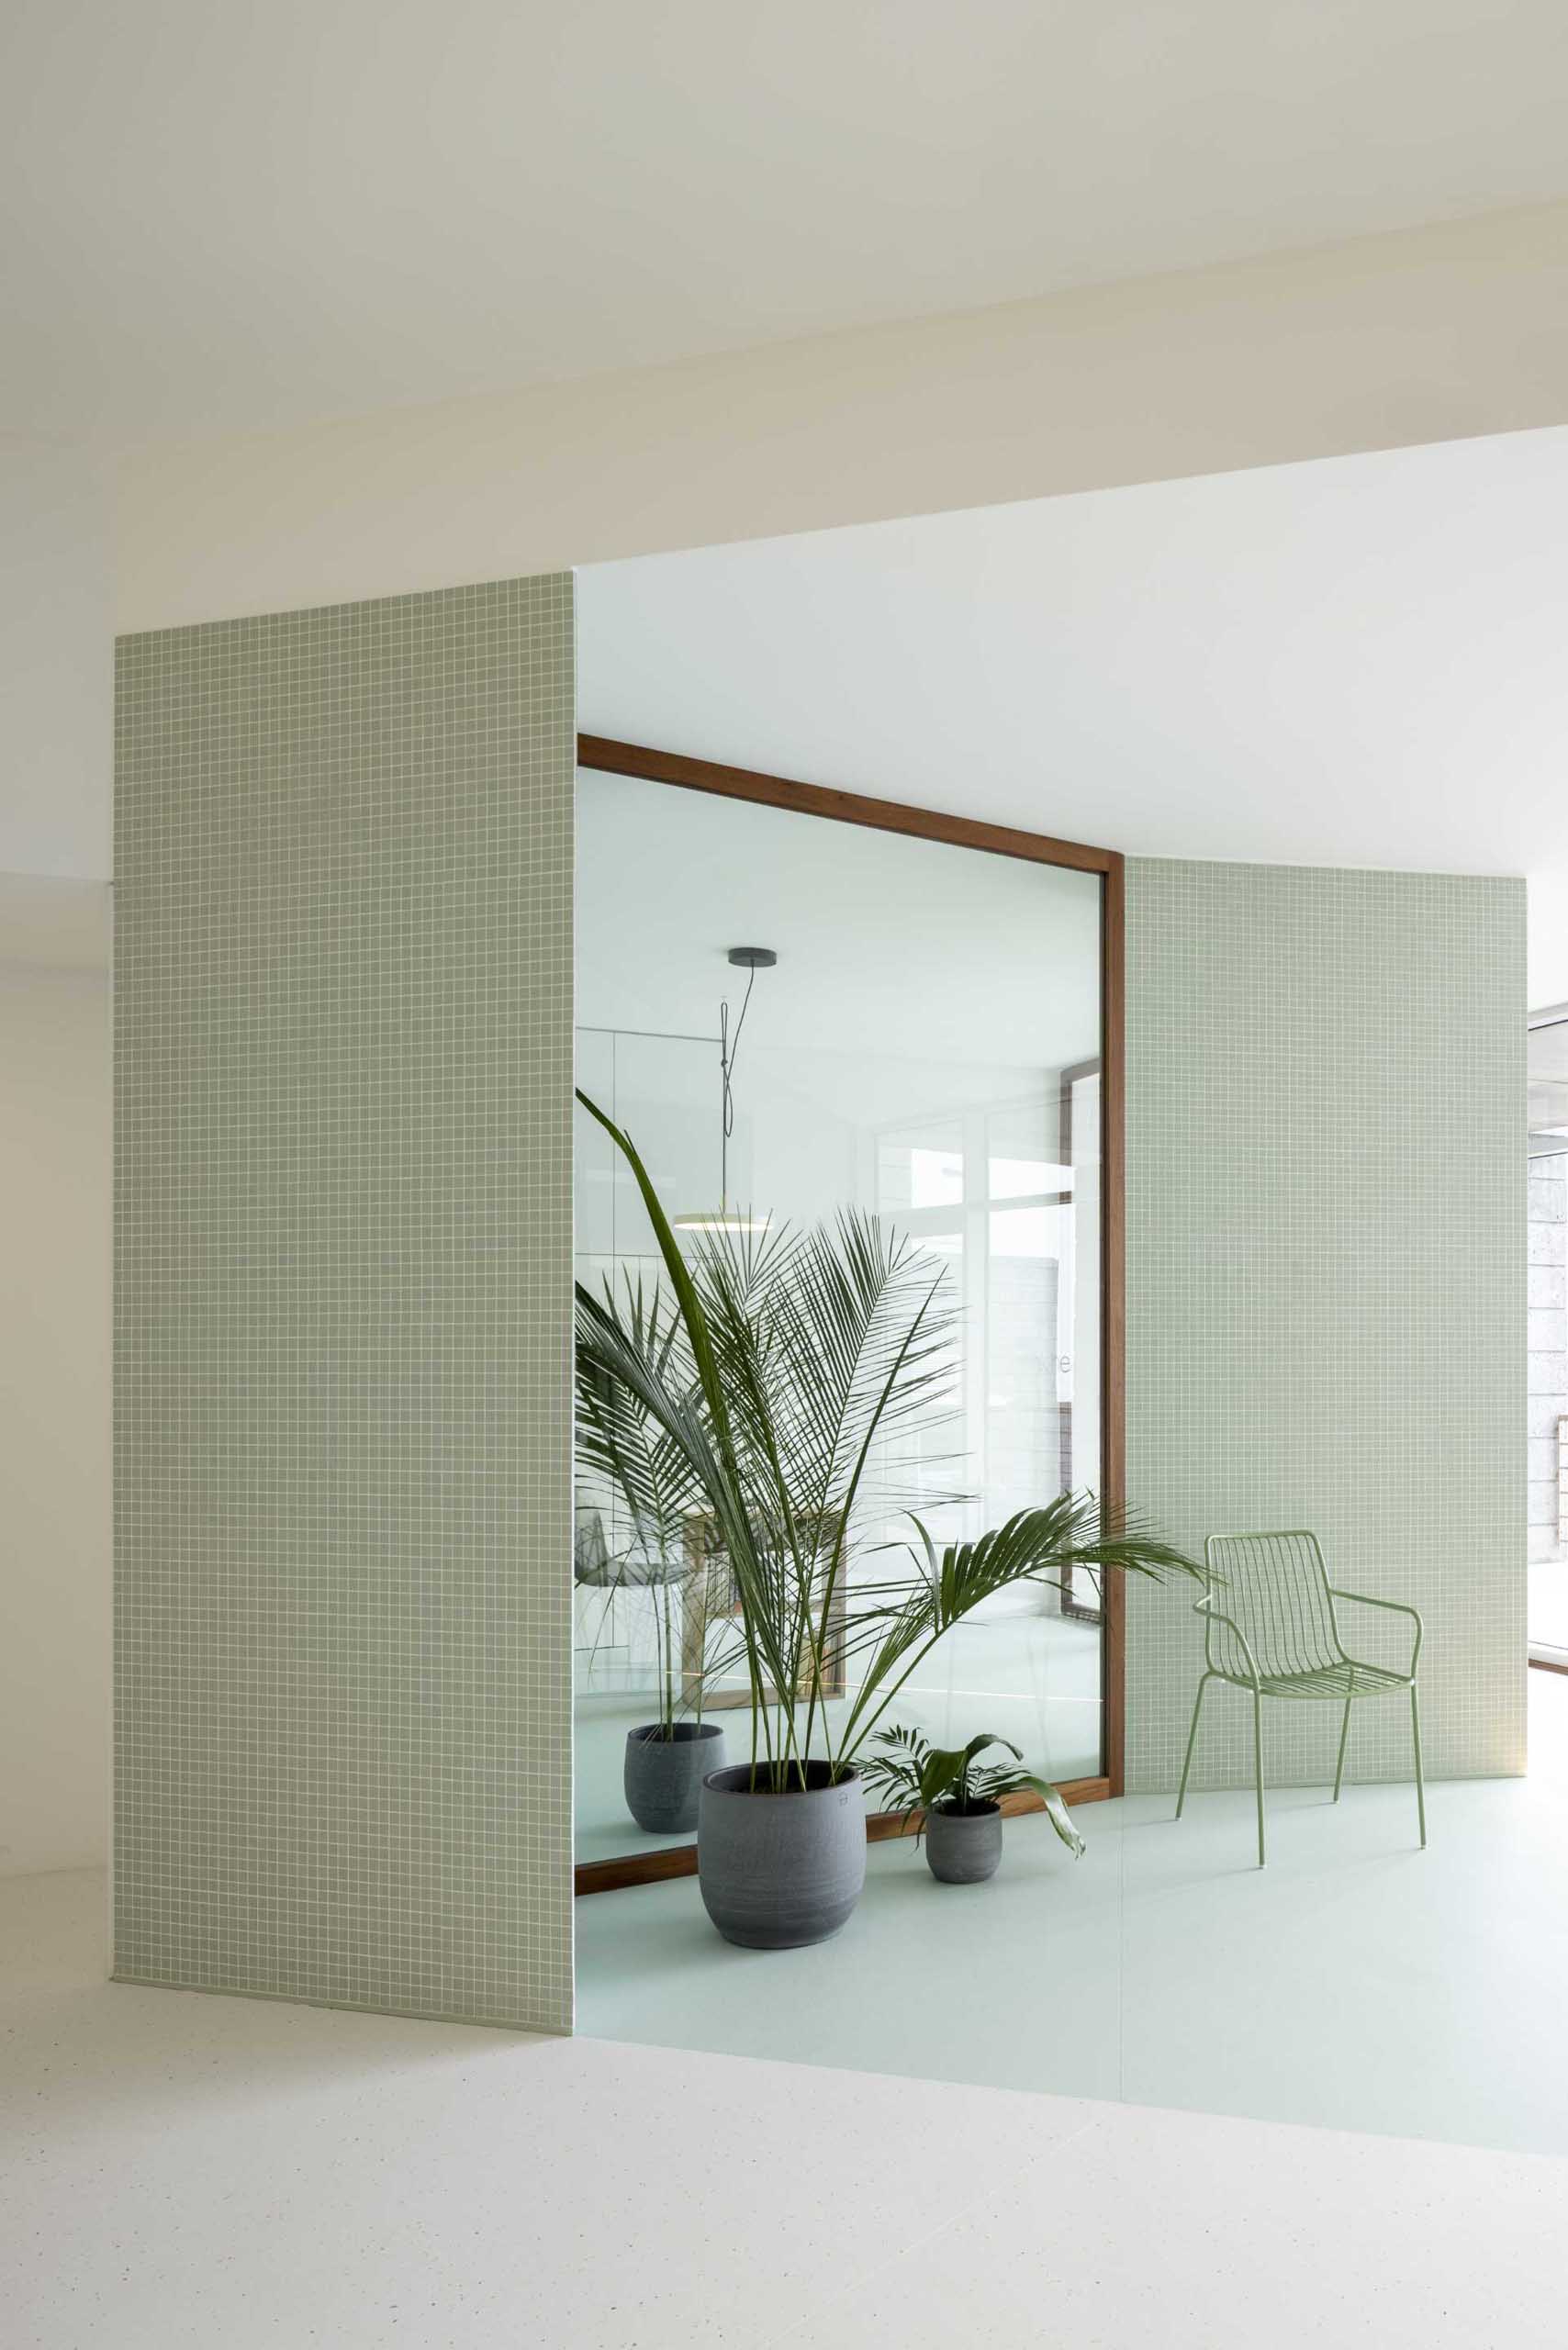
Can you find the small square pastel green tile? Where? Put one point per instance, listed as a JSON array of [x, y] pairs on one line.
[[343, 1233], [1326, 1283]]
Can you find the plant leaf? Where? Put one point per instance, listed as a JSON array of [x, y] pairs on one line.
[[1059, 1815]]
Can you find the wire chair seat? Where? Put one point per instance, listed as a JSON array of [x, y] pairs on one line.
[[1348, 1680]]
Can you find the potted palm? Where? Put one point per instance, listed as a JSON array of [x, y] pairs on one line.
[[802, 1359], [624, 1454], [956, 1800]]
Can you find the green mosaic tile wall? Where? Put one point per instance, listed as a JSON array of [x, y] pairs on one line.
[[1326, 1284], [344, 1230]]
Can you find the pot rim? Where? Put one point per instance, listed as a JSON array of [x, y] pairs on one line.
[[686, 1733], [715, 1783], [975, 1811]]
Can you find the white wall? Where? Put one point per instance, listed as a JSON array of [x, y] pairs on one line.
[[56, 663], [54, 1416], [1433, 334], [56, 750], [1549, 938]]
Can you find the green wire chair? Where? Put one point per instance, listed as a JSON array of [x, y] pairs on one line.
[[1279, 1637]]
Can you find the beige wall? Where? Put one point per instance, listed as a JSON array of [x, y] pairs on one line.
[[1433, 335], [54, 1418], [56, 664]]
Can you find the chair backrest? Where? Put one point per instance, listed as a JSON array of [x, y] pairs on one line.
[[1276, 1588]]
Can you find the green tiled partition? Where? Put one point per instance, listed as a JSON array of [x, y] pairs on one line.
[[342, 1305], [1326, 1284]]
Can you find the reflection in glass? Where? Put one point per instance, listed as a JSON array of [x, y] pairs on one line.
[[927, 1049]]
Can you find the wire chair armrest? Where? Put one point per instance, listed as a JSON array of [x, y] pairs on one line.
[[1212, 1616], [1392, 1607]]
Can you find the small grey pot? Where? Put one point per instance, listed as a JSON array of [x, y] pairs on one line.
[[663, 1776], [777, 1871], [963, 1847]]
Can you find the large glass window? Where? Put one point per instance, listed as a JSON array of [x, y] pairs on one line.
[[927, 1048]]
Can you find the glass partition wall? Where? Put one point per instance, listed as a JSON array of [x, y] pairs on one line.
[[926, 1044]]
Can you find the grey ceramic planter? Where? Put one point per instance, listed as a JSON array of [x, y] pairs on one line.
[[663, 1776], [777, 1871], [963, 1847]]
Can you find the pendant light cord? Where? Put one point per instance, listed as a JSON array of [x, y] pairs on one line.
[[727, 1051]]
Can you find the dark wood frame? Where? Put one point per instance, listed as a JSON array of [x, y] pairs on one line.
[[1085, 1612], [599, 751]]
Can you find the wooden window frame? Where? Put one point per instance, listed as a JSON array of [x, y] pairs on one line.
[[598, 753], [1085, 1611]]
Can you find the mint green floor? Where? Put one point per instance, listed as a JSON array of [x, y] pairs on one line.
[[1356, 1983]]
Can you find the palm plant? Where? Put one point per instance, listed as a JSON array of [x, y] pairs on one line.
[[621, 1445], [914, 1777], [801, 1360]]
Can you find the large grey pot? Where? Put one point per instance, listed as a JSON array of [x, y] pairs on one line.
[[663, 1776], [780, 1870], [963, 1847]]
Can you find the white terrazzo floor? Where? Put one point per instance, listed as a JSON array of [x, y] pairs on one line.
[[185, 2173]]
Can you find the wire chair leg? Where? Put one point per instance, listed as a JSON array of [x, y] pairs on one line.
[[1192, 1743], [1344, 1735], [1257, 1761], [1420, 1784]]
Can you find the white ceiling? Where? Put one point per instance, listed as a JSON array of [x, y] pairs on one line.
[[1358, 662], [223, 216], [889, 948]]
